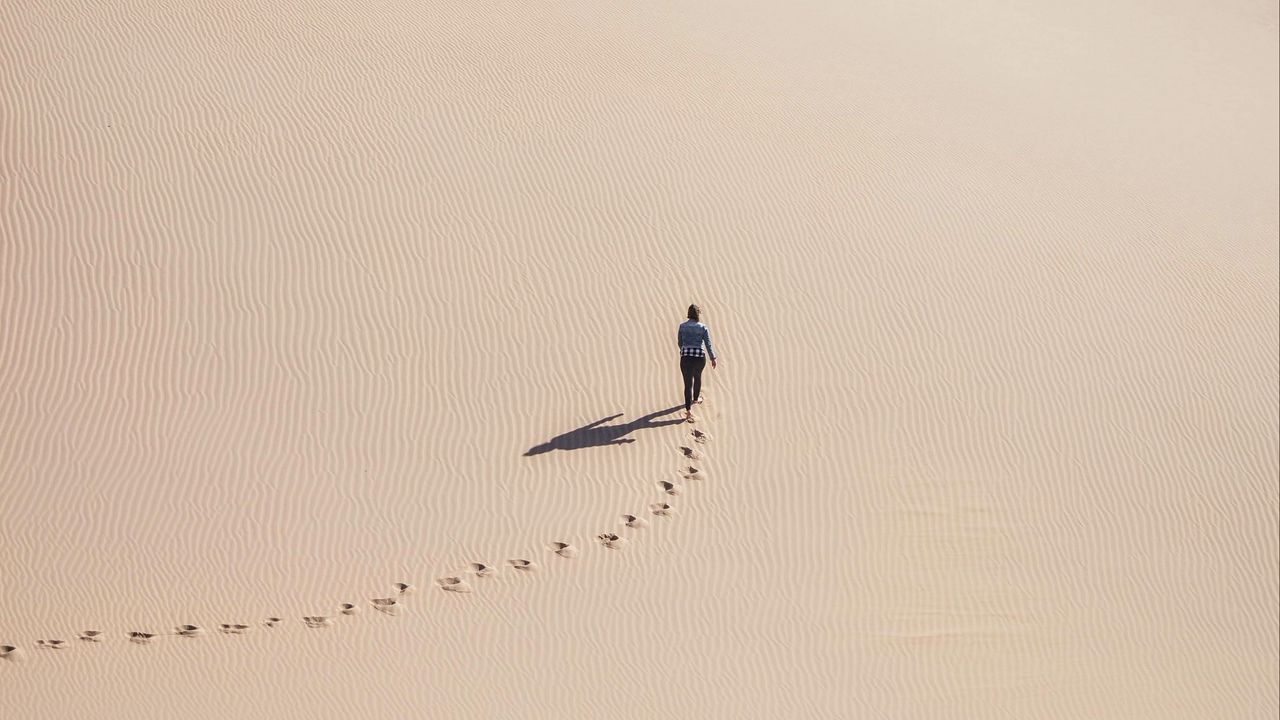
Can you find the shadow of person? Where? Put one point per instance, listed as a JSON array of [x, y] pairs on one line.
[[596, 434]]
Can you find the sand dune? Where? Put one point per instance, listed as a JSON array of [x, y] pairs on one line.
[[338, 380]]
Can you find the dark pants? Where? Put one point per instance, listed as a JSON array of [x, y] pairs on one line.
[[691, 369]]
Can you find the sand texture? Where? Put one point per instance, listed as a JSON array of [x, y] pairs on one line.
[[338, 374]]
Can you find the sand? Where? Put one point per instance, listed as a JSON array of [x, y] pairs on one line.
[[289, 292]]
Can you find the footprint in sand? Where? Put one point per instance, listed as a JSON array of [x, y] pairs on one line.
[[668, 488], [611, 541], [348, 609], [272, 622], [522, 564], [317, 621], [690, 453], [390, 606], [232, 628], [692, 473], [141, 638], [563, 549], [10, 653], [189, 630], [481, 570], [454, 584], [699, 436], [404, 588], [51, 644], [632, 521], [661, 509], [91, 636]]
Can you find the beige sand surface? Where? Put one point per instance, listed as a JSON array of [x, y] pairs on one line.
[[288, 289]]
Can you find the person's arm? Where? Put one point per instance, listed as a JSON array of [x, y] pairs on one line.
[[706, 338]]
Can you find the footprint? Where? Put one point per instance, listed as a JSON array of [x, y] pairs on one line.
[[690, 453], [563, 549], [389, 606], [141, 638], [10, 653], [454, 584], [404, 588], [668, 488], [699, 436], [91, 636], [611, 541], [348, 609], [693, 473], [661, 509], [522, 564], [482, 570], [51, 644], [632, 521], [189, 630], [318, 621], [272, 622]]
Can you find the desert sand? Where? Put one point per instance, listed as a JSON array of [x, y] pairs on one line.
[[300, 300]]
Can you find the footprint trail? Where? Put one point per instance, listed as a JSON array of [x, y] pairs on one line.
[[449, 583]]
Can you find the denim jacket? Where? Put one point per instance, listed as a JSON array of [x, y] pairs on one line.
[[691, 337]]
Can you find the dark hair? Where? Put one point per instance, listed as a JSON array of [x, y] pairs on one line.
[[694, 312]]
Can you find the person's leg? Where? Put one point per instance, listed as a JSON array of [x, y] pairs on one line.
[[686, 369], [698, 365]]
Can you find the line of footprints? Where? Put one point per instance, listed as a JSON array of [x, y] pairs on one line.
[[391, 605]]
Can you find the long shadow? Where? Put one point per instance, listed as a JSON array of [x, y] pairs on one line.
[[596, 434]]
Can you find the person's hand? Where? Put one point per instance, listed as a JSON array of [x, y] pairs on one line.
[[713, 364]]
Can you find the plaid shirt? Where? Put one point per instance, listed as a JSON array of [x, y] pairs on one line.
[[691, 336]]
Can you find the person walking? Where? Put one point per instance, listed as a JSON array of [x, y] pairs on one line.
[[691, 337]]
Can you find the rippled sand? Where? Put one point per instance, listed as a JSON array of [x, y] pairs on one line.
[[337, 359]]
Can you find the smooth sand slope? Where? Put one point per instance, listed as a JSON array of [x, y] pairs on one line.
[[299, 300]]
